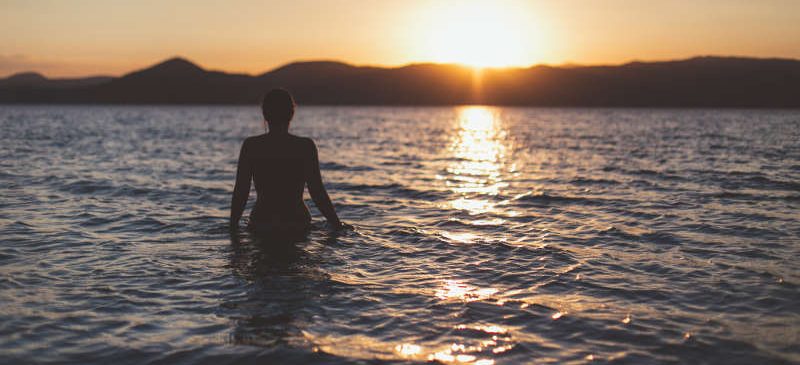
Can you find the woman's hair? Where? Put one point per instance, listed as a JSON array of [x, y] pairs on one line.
[[278, 107]]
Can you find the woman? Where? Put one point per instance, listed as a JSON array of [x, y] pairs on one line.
[[281, 165]]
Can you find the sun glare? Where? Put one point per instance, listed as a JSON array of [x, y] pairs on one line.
[[478, 34]]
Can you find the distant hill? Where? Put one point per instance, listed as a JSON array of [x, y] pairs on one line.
[[33, 87], [695, 82], [35, 80]]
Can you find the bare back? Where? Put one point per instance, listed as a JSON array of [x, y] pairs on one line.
[[280, 165]]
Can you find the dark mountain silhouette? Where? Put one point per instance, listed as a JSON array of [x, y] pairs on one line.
[[175, 81], [31, 79], [695, 82], [30, 87], [36, 80]]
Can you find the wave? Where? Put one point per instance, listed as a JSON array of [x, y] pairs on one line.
[[591, 181], [542, 198], [333, 166], [392, 190]]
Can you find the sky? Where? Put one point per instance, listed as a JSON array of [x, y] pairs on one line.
[[73, 38]]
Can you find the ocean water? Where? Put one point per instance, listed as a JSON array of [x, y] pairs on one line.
[[482, 236]]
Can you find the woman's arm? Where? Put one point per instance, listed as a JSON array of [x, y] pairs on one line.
[[244, 173], [317, 190]]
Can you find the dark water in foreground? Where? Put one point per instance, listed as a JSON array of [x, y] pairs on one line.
[[483, 236]]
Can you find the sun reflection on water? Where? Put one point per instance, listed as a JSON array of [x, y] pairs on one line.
[[479, 151], [408, 350], [458, 290]]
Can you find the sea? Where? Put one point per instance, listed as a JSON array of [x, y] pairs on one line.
[[481, 235]]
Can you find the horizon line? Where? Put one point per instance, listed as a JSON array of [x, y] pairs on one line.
[[390, 67]]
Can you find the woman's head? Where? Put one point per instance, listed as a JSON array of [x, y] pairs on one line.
[[278, 109]]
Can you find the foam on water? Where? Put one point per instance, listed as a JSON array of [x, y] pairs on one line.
[[484, 236]]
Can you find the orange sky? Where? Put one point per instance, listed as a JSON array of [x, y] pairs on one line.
[[83, 37]]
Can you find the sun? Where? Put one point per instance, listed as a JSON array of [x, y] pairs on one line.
[[478, 33]]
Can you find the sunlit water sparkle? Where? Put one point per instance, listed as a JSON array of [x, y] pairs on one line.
[[483, 236]]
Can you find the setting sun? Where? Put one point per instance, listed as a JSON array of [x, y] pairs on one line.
[[478, 34]]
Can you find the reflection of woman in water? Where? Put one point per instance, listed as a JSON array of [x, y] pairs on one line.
[[281, 165]]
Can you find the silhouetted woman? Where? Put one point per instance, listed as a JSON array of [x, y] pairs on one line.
[[281, 165]]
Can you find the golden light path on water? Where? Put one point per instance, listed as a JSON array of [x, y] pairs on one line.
[[479, 151]]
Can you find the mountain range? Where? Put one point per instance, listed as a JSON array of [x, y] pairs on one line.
[[694, 82]]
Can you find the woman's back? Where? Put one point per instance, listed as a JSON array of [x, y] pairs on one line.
[[279, 165]]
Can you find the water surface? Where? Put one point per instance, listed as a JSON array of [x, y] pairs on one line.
[[484, 236]]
